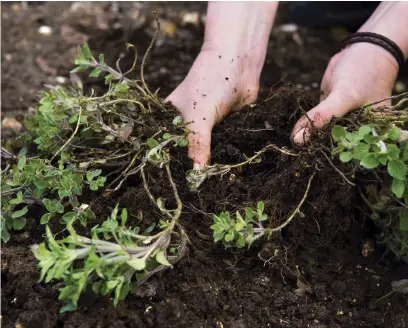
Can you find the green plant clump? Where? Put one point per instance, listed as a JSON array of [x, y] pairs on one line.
[[78, 149], [378, 156]]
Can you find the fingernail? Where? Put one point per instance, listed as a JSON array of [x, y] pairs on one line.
[[197, 166]]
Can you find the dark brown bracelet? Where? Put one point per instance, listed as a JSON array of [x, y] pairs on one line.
[[378, 40]]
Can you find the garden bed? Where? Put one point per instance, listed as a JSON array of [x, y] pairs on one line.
[[312, 274]]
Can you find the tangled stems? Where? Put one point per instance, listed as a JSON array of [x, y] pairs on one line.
[[242, 230], [196, 177]]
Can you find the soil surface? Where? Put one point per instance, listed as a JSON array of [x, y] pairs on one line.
[[313, 274]]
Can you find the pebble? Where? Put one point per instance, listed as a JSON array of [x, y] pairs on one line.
[[288, 28], [400, 87], [45, 30], [11, 123], [191, 18], [167, 28], [61, 80]]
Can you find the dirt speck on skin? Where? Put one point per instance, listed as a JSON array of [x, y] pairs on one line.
[[212, 286]]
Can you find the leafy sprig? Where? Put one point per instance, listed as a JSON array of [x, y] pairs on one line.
[[114, 260], [239, 230]]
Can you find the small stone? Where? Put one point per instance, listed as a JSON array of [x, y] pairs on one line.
[[288, 28], [61, 80], [400, 87], [11, 123], [167, 28], [8, 57], [191, 18], [45, 30]]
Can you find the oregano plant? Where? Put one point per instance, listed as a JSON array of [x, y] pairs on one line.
[[380, 150]]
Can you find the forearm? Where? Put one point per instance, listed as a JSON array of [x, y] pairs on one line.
[[390, 19], [238, 27]]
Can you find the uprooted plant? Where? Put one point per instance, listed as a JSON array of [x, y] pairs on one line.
[[375, 150], [76, 144]]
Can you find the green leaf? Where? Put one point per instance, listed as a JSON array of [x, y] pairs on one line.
[[5, 236], [19, 213], [397, 169], [95, 73], [183, 142], [360, 151], [108, 78], [162, 259], [404, 221], [229, 236], [338, 133], [80, 68], [86, 51], [19, 223], [260, 207], [137, 264], [369, 161], [102, 59], [45, 218], [398, 187], [370, 139], [69, 307], [152, 142], [393, 151], [346, 157], [124, 216], [73, 119], [240, 224], [240, 243], [337, 149], [22, 163], [93, 186], [249, 214], [364, 129], [394, 134], [166, 136], [405, 152]]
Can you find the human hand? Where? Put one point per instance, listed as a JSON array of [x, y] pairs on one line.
[[215, 86], [225, 75], [360, 74]]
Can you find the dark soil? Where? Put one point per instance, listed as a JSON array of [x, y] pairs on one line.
[[211, 286]]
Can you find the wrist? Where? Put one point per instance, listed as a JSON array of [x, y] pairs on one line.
[[235, 28], [387, 20], [376, 57]]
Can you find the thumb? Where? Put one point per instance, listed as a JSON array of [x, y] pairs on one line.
[[335, 105]]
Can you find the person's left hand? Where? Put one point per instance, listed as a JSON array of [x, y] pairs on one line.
[[360, 74]]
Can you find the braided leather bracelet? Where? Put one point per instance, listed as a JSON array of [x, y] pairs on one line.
[[378, 40]]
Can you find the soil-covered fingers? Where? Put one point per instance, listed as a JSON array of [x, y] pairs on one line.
[[360, 74]]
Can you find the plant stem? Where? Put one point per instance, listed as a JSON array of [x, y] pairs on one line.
[[296, 210], [72, 136]]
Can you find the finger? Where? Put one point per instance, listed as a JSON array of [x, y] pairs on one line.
[[199, 145], [335, 105]]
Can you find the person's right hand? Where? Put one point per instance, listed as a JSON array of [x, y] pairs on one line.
[[215, 85]]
